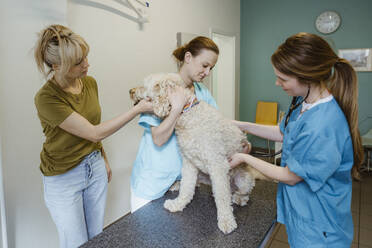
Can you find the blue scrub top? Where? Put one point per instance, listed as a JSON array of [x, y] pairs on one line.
[[317, 146], [157, 168]]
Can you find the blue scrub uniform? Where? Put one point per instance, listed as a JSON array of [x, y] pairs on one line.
[[317, 146], [157, 168]]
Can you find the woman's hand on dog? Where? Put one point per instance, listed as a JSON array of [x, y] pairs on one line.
[[177, 98], [145, 106], [237, 159]]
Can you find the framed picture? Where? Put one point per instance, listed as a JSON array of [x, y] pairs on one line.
[[360, 59]]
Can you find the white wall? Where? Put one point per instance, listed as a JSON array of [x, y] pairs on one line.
[[121, 55]]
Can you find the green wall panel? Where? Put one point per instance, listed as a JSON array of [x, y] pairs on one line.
[[266, 24]]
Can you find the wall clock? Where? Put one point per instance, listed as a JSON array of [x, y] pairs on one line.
[[327, 22]]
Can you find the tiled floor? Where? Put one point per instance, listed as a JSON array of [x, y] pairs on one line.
[[361, 208]]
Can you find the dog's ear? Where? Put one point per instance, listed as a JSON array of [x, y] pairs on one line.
[[153, 91], [162, 106]]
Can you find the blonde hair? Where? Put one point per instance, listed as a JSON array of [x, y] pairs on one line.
[[58, 45], [195, 46], [311, 60]]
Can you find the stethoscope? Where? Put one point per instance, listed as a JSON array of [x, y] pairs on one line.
[[293, 106]]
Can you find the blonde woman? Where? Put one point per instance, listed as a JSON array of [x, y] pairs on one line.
[[73, 163]]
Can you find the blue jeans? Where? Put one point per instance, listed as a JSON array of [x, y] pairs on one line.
[[76, 200]]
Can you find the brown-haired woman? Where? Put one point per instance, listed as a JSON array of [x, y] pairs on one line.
[[321, 143], [158, 163], [74, 166]]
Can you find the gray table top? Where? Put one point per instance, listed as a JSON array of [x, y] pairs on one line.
[[153, 226]]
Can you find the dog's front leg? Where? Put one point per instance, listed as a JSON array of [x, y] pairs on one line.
[[222, 196], [187, 188]]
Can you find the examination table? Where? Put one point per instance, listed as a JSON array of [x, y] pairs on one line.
[[152, 226]]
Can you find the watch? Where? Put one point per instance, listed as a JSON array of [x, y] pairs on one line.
[[327, 22]]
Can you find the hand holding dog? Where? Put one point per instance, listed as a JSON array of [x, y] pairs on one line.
[[177, 98], [145, 106], [237, 159]]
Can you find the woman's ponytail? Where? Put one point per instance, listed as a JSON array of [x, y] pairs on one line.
[[344, 87]]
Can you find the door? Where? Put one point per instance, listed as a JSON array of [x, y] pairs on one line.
[[221, 82], [223, 77]]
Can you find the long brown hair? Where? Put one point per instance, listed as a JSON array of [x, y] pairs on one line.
[[311, 60], [195, 46]]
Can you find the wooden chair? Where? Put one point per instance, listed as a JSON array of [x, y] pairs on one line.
[[266, 114]]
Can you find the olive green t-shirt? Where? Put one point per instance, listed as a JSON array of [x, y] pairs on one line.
[[63, 151]]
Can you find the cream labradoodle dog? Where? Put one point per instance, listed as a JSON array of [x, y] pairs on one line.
[[206, 141]]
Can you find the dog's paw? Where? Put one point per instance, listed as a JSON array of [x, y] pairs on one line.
[[173, 205], [239, 199], [175, 186], [227, 225]]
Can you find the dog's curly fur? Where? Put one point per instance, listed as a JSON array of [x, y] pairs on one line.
[[206, 140]]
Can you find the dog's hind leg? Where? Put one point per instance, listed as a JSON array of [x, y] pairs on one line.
[[187, 188], [222, 196]]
